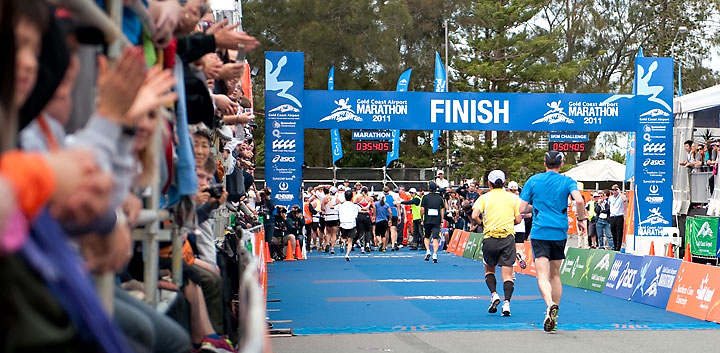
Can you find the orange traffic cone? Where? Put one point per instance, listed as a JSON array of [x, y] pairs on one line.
[[298, 252], [289, 256], [652, 248], [670, 252], [268, 258], [687, 256]]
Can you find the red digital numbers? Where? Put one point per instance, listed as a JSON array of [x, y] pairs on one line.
[[568, 146], [372, 146]]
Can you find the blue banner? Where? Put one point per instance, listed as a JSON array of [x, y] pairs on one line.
[[469, 111], [569, 136], [655, 280], [337, 151], [623, 275], [284, 139], [402, 86], [372, 135], [395, 153], [630, 156], [654, 160], [440, 86], [335, 142]]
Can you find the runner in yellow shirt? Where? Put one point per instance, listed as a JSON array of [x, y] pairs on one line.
[[500, 215]]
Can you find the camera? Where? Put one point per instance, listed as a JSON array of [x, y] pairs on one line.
[[215, 190]]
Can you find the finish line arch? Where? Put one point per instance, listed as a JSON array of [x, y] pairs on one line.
[[290, 109]]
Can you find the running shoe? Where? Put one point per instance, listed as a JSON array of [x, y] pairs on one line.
[[434, 258], [427, 257], [362, 250], [215, 345], [332, 251], [396, 248], [494, 302], [550, 322], [347, 257], [521, 262], [327, 248], [506, 308]]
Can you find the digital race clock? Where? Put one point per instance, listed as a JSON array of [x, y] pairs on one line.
[[564, 146], [372, 146]]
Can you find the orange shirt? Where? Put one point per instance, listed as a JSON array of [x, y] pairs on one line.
[[31, 178]]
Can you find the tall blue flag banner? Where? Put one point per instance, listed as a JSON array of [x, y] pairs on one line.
[[284, 139], [402, 86], [337, 151], [630, 155], [335, 142], [679, 79], [440, 86], [653, 179]]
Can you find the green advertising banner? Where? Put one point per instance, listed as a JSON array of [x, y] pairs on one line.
[[479, 251], [702, 233], [573, 266], [472, 244], [596, 269]]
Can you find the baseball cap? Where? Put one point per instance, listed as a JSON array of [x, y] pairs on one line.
[[513, 185], [496, 175], [432, 186], [596, 194], [440, 171], [333, 189], [553, 158], [412, 191]]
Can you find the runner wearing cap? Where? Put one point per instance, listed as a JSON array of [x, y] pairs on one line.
[[514, 189], [500, 215], [548, 193], [432, 207]]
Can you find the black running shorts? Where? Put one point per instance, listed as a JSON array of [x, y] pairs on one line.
[[380, 228], [550, 249], [334, 223], [432, 230], [348, 233], [519, 237], [499, 251], [395, 221]]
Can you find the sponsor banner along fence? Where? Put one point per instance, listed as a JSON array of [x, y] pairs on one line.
[[623, 276], [701, 233], [694, 291], [655, 280]]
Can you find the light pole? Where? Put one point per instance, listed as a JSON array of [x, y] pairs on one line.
[[683, 30]]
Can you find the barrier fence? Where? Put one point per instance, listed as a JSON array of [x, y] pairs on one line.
[[675, 285]]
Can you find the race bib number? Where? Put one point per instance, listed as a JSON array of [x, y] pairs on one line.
[[603, 215], [433, 212]]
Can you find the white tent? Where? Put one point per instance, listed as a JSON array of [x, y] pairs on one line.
[[597, 170]]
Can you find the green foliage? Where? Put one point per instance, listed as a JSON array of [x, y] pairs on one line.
[[583, 46]]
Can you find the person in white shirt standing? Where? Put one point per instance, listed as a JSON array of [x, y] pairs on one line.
[[440, 181], [617, 202], [348, 212]]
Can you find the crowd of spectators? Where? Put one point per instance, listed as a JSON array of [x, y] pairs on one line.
[[178, 93]]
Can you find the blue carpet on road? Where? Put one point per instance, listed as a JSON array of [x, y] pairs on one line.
[[399, 291]]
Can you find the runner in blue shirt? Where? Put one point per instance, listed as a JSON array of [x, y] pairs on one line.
[[548, 193]]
